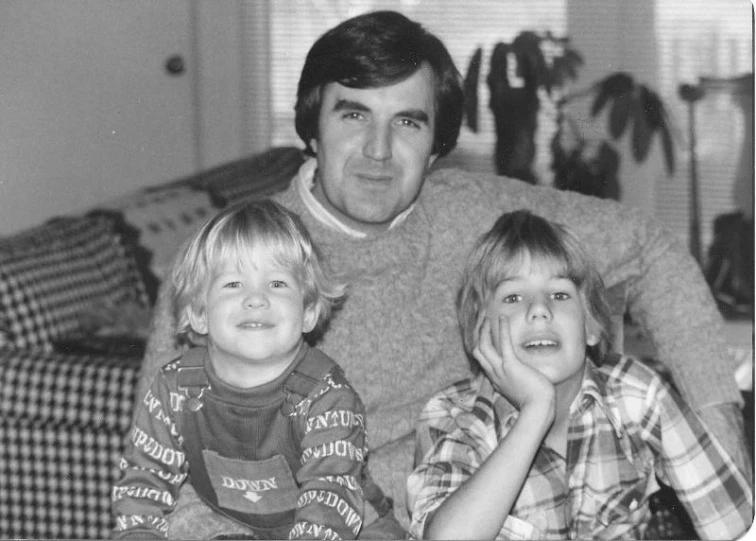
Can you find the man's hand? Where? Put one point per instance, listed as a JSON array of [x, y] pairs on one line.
[[519, 383]]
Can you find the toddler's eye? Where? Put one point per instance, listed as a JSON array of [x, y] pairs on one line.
[[513, 298], [561, 296], [276, 284], [232, 285]]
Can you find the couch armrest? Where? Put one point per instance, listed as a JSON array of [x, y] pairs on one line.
[[64, 419], [89, 391]]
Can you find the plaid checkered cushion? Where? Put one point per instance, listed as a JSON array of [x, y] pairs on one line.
[[63, 423], [56, 481], [50, 274], [93, 391]]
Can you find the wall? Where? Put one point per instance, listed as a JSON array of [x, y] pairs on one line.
[[233, 85], [88, 111]]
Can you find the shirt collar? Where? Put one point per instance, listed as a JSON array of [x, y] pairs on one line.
[[593, 392], [304, 183]]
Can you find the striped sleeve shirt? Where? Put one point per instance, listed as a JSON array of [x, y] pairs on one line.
[[627, 426]]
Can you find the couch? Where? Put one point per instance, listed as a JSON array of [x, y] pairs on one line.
[[75, 299]]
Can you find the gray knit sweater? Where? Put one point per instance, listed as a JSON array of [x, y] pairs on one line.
[[397, 338]]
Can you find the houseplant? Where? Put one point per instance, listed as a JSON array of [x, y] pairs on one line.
[[535, 63]]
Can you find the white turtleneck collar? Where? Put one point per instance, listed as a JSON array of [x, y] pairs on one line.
[[304, 183]]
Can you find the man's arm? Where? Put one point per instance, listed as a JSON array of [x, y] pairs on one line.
[[162, 345], [672, 302], [714, 491]]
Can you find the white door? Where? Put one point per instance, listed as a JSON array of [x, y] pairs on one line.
[[88, 109]]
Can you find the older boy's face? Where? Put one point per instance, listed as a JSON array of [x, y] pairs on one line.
[[374, 149], [546, 319]]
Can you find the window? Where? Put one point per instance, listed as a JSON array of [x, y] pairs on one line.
[[699, 38]]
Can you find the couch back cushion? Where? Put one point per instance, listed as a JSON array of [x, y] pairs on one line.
[[50, 275], [158, 221], [253, 177]]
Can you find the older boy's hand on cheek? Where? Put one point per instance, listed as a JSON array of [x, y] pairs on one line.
[[519, 383], [478, 508]]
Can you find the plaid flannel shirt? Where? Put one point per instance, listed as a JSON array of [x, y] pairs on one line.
[[626, 428]]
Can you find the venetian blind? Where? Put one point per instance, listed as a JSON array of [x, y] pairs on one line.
[[700, 38]]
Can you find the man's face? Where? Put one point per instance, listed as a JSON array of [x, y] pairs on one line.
[[374, 148]]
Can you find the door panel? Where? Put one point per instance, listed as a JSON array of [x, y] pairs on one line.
[[88, 110]]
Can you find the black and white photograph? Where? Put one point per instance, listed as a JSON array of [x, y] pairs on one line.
[[377, 269]]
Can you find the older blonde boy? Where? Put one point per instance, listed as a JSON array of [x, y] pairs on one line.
[[556, 438]]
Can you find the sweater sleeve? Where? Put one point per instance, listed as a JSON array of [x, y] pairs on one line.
[[153, 468], [334, 449], [715, 493]]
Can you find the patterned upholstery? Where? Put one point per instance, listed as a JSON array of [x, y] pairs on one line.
[[50, 274], [158, 220], [66, 396], [164, 218], [63, 419]]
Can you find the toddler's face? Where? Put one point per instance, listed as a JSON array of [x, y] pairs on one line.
[[254, 316], [546, 319]]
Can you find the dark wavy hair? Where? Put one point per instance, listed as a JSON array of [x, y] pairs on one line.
[[500, 252], [374, 50]]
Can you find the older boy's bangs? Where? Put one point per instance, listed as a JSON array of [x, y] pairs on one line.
[[506, 257]]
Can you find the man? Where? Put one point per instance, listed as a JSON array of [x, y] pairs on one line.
[[379, 101]]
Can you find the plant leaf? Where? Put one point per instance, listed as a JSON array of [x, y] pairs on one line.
[[572, 61], [602, 97], [658, 121], [612, 86], [642, 132], [669, 149], [471, 90], [653, 107], [620, 114], [531, 63], [497, 73]]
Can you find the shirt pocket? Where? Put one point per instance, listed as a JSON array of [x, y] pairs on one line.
[[624, 507], [252, 486], [624, 500]]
